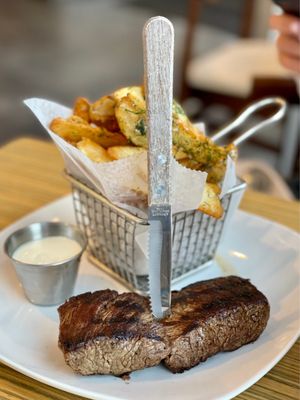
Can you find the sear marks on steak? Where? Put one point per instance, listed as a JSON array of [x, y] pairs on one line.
[[107, 333], [211, 316]]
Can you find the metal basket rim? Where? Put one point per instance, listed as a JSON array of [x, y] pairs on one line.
[[103, 199], [241, 185]]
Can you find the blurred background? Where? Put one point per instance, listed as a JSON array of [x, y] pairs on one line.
[[225, 58]]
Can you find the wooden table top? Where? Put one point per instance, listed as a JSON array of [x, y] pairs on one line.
[[31, 176]]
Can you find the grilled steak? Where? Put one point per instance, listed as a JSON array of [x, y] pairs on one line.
[[211, 316], [107, 333]]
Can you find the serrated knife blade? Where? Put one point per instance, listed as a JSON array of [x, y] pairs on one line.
[[158, 63]]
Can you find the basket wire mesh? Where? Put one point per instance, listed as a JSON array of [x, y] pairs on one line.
[[111, 233]]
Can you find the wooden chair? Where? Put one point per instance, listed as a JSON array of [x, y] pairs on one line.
[[238, 74]]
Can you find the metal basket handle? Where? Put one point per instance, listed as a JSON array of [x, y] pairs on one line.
[[281, 103]]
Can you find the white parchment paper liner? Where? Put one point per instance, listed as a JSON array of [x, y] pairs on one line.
[[124, 182]]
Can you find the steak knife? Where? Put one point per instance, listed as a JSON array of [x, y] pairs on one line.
[[158, 79]]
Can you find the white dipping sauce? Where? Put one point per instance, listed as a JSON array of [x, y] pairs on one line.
[[48, 250]]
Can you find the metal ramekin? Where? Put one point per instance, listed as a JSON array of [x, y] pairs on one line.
[[46, 284]]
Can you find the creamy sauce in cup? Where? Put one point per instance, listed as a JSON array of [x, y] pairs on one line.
[[48, 250]]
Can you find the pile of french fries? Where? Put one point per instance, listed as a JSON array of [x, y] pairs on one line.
[[115, 127]]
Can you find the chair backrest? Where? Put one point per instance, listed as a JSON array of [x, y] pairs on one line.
[[252, 10]]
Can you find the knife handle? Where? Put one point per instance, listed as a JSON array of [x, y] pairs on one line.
[[158, 37]]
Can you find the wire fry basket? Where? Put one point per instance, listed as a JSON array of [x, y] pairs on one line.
[[112, 232]]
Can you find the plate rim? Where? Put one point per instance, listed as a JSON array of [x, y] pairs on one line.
[[83, 392], [91, 395]]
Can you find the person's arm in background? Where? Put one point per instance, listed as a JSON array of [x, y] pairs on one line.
[[288, 42]]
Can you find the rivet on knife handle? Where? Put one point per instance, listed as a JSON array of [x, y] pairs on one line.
[[158, 63]]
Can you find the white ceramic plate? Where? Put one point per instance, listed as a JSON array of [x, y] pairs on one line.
[[255, 248]]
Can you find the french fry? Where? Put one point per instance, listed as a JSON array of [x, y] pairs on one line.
[[178, 153], [82, 108], [118, 152], [188, 163], [93, 151], [130, 112], [108, 139], [122, 92], [210, 202], [102, 113], [74, 128]]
